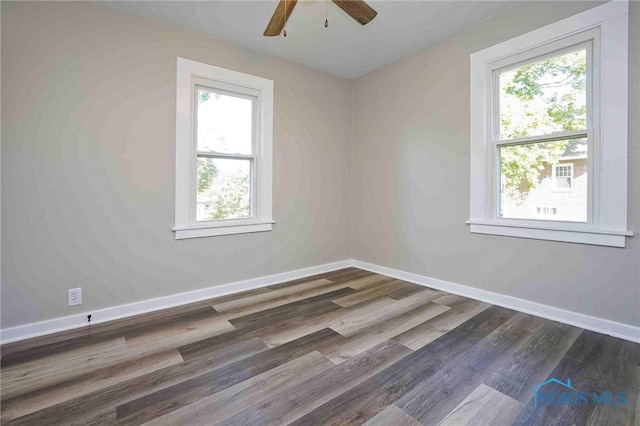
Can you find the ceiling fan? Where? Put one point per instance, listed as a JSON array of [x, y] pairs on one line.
[[357, 9]]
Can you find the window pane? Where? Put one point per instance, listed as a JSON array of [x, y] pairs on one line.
[[224, 123], [563, 182], [544, 97], [528, 189], [224, 189]]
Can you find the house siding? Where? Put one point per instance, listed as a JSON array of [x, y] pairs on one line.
[[569, 204]]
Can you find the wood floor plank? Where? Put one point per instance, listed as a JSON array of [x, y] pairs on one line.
[[484, 406], [28, 350], [88, 383], [533, 363], [234, 296], [271, 321], [283, 301], [287, 406], [103, 418], [41, 373], [347, 274], [177, 317], [23, 351], [627, 414], [349, 325], [359, 282], [452, 300], [331, 276], [406, 290], [271, 295], [221, 405], [367, 399], [367, 293], [321, 304], [378, 333], [296, 282], [189, 391], [176, 335], [431, 400], [594, 363], [294, 329], [442, 324], [634, 401], [392, 415], [139, 386]]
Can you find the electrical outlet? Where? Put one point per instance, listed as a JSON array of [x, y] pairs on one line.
[[74, 296]]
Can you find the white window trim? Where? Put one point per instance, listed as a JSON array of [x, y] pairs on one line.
[[607, 224], [186, 226], [554, 188]]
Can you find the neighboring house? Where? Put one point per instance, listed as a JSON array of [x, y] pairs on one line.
[[561, 193]]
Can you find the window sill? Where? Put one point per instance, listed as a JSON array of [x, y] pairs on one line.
[[595, 237], [212, 230]]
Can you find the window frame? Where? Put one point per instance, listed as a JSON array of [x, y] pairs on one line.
[[189, 75], [607, 125], [239, 92]]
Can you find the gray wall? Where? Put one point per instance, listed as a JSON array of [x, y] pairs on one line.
[[410, 182], [88, 142]]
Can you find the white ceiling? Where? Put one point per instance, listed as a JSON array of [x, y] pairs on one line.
[[345, 48]]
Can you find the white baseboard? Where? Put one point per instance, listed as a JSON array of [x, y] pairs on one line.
[[599, 325], [611, 328], [27, 331]]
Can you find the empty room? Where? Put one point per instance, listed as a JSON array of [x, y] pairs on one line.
[[320, 212]]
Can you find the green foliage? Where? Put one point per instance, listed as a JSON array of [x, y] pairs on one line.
[[537, 99], [521, 166], [233, 199], [565, 112], [207, 172], [569, 68], [229, 192], [204, 96]]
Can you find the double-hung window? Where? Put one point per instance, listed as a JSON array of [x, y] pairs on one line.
[[224, 127], [537, 101], [563, 178]]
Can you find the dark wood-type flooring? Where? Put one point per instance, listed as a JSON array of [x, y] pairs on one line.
[[346, 347]]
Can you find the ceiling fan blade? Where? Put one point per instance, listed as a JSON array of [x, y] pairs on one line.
[[357, 9], [276, 24]]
